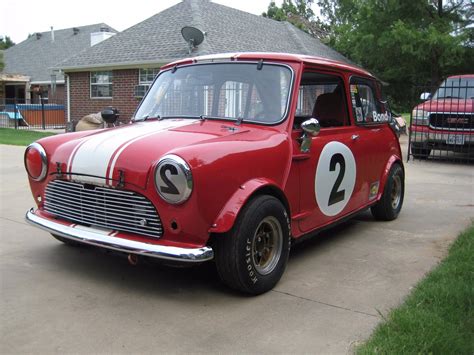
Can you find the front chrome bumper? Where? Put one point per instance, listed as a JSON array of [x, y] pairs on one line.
[[91, 237], [439, 137]]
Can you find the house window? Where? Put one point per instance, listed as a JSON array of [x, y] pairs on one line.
[[145, 79], [146, 76], [101, 84]]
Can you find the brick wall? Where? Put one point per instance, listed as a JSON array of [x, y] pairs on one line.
[[123, 86], [60, 94]]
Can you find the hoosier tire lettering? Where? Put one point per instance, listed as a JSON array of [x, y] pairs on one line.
[[248, 260]]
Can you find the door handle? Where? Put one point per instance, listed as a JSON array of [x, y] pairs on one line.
[[355, 137]]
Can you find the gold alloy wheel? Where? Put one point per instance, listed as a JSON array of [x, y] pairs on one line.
[[396, 193], [267, 245]]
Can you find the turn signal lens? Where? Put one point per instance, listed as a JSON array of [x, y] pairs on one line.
[[36, 161]]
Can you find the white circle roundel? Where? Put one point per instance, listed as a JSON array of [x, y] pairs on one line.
[[335, 178], [173, 179]]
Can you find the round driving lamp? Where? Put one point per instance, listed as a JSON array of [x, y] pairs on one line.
[[36, 162], [173, 179]]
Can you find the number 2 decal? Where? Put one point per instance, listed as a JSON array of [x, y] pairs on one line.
[[337, 195], [169, 188], [335, 178]]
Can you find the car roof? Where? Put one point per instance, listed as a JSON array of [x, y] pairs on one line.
[[287, 57]]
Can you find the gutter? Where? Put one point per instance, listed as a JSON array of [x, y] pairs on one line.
[[120, 65], [45, 82]]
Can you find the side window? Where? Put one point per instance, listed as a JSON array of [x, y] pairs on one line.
[[365, 106], [322, 96]]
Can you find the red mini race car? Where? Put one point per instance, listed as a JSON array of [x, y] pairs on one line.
[[228, 157]]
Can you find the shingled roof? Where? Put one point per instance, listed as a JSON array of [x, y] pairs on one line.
[[158, 39], [37, 55]]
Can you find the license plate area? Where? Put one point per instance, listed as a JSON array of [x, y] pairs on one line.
[[457, 139]]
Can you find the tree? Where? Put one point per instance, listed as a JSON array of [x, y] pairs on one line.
[[6, 42], [299, 14], [405, 43], [2, 65]]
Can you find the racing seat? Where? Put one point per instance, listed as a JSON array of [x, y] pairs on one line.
[[330, 111]]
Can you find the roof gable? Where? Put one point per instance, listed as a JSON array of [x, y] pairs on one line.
[[38, 54], [158, 39]]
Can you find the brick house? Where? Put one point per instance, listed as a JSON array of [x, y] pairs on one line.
[[28, 70], [118, 71]]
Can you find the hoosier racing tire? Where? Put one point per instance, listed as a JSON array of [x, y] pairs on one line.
[[252, 256]]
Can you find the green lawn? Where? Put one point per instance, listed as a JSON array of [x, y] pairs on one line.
[[438, 316], [20, 137]]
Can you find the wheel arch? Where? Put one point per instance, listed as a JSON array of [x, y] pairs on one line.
[[229, 214], [394, 159]]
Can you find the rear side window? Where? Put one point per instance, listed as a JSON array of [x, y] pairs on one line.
[[367, 109]]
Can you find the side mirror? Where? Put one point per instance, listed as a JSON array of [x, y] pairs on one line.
[[425, 96], [110, 114], [310, 129]]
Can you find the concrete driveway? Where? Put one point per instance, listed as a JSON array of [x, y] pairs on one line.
[[57, 299]]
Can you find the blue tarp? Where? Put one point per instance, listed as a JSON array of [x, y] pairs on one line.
[[12, 115]]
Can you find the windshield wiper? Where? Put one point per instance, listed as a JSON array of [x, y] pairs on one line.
[[449, 97], [144, 118]]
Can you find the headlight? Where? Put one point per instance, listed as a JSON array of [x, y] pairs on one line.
[[173, 179], [36, 162], [420, 117]]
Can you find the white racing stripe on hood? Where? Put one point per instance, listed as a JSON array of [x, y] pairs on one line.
[[94, 155], [125, 146]]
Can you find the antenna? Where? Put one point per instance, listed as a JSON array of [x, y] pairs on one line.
[[193, 36]]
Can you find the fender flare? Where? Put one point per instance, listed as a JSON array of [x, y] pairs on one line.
[[229, 213], [394, 159]]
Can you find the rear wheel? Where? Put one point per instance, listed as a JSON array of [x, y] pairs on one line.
[[390, 204], [252, 256]]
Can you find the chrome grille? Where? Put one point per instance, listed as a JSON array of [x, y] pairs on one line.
[[452, 121], [102, 207]]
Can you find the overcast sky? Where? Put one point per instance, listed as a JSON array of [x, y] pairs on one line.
[[19, 18]]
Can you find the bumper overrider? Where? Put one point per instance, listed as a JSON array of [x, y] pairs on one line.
[[91, 237]]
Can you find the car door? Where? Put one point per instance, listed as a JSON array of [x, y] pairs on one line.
[[374, 134], [329, 174]]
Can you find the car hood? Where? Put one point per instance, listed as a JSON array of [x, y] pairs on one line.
[[447, 105], [129, 153]]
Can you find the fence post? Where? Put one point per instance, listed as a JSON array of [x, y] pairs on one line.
[[43, 122], [15, 111]]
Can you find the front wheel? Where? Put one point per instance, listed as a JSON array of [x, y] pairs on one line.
[[390, 204], [252, 256]]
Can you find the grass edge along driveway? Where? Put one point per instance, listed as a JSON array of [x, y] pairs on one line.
[[12, 136], [438, 316]]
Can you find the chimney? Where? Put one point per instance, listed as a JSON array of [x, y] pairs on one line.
[[97, 37], [52, 34], [38, 35], [75, 30]]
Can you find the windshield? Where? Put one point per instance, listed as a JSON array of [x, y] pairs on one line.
[[456, 88], [232, 91]]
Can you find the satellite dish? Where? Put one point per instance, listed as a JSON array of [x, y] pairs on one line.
[[193, 36]]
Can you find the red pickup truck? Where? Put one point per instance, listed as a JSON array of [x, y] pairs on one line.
[[445, 120]]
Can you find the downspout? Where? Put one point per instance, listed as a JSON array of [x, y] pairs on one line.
[[68, 98]]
